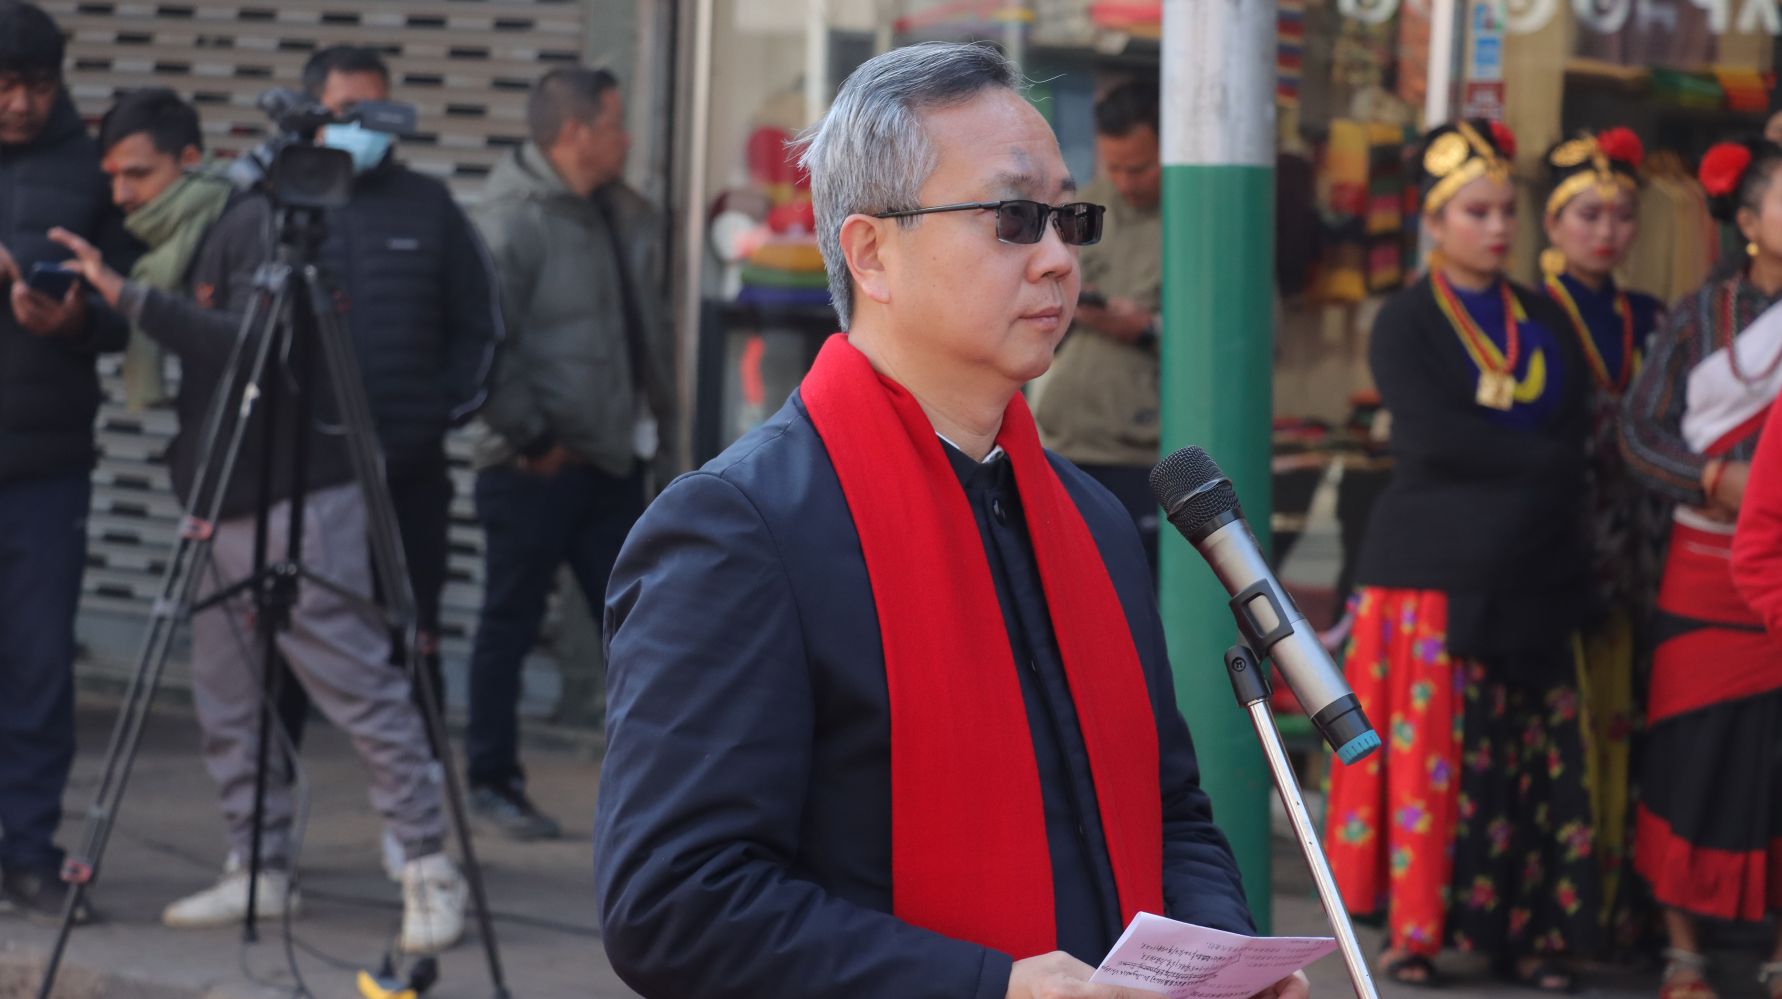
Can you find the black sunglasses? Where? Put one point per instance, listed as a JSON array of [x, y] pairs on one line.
[[1078, 223]]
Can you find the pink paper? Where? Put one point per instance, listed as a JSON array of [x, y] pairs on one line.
[[1184, 961]]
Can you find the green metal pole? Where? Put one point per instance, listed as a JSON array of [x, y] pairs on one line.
[[1218, 336]]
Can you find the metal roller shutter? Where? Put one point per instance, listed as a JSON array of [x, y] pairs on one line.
[[465, 64]]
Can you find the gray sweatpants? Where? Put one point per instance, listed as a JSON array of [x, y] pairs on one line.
[[339, 649]]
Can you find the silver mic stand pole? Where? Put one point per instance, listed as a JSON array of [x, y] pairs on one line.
[[1249, 681]]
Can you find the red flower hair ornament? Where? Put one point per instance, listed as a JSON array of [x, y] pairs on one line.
[[1622, 146], [1505, 139], [1723, 167]]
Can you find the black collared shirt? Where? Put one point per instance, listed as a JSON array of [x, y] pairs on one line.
[[1085, 897]]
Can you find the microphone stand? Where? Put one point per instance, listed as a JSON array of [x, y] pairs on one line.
[[1249, 681]]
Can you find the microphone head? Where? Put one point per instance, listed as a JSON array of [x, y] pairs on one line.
[[1192, 490]]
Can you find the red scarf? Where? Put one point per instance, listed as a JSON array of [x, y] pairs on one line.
[[969, 857]]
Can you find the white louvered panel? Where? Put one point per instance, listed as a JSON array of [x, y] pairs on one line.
[[134, 515], [466, 65]]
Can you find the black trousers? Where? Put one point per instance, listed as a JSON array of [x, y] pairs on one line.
[[532, 525]]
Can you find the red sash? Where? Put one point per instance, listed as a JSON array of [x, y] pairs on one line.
[[969, 857]]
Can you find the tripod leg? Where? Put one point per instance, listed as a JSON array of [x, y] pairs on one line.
[[390, 565], [226, 420], [81, 869], [276, 593], [270, 679]]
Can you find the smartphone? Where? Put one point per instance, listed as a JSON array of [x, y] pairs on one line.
[[1094, 298], [53, 280]]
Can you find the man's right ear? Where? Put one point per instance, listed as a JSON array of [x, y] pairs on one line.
[[865, 247]]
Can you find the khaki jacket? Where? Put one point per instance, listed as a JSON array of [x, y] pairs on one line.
[[1099, 404]]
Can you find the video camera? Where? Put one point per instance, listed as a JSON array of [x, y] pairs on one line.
[[298, 172]]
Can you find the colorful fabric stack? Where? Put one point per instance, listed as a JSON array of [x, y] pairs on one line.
[[1410, 200], [786, 269], [1745, 89], [785, 272], [1386, 183], [1290, 44], [1687, 89], [1345, 163], [1343, 275]]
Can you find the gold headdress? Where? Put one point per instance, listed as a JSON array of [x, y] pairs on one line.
[[1457, 155], [1607, 162]]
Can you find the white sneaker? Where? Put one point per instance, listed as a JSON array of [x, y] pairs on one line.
[[225, 902], [433, 894], [394, 859]]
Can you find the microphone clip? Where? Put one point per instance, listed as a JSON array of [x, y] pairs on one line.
[[1249, 677], [1264, 615]]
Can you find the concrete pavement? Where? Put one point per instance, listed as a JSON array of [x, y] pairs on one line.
[[169, 841]]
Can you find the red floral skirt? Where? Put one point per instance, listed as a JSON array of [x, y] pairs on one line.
[[1472, 825]]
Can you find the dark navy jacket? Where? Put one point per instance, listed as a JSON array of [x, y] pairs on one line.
[[419, 294], [202, 329], [418, 291], [49, 388], [742, 837]]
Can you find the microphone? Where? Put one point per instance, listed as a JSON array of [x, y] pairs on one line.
[[1200, 501]]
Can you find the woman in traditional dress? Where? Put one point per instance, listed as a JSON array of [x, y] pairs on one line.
[[1591, 220], [1474, 579], [1710, 812]]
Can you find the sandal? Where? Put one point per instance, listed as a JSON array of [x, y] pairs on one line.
[[1542, 975], [1686, 976], [1769, 975], [1414, 970]]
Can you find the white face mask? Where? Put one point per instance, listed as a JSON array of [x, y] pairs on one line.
[[366, 147]]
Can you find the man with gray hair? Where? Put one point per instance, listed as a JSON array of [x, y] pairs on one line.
[[890, 712]]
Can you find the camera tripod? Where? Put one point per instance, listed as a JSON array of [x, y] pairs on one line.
[[289, 319]]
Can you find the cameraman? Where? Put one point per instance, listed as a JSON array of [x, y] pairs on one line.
[[419, 301], [335, 646], [49, 394]]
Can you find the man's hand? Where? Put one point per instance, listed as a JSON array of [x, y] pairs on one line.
[[547, 464], [9, 268], [1121, 319], [46, 316], [1294, 986], [1059, 976], [91, 265]]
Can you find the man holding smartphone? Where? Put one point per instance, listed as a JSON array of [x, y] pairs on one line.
[[1099, 406], [49, 395]]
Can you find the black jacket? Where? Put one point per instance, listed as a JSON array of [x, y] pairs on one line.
[[49, 390], [419, 297], [743, 832], [1489, 511], [202, 331]]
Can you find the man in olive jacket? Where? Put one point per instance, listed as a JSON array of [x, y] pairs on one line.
[[579, 401], [1100, 404]]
